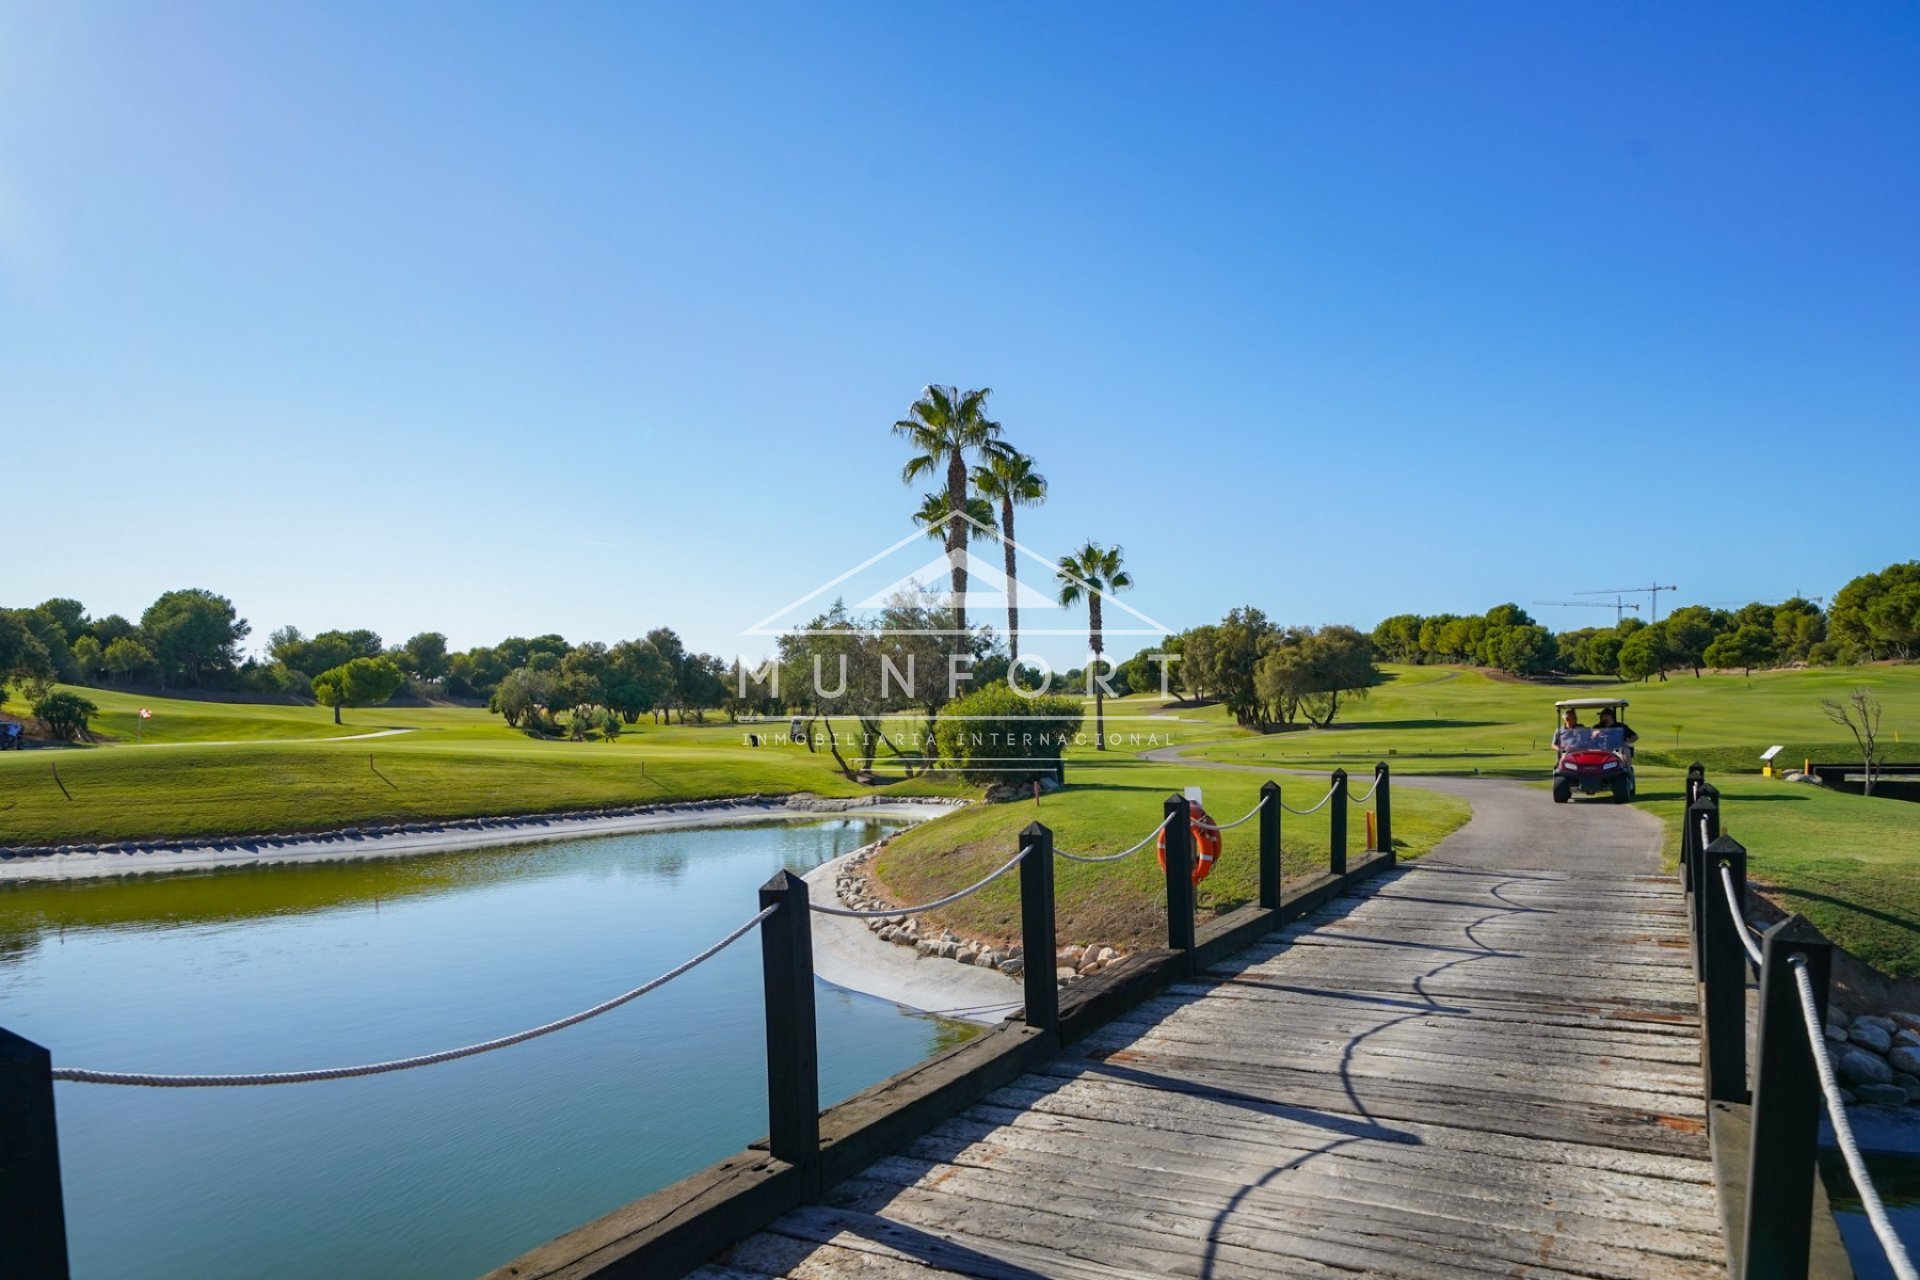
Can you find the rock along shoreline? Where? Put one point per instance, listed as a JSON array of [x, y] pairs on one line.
[[149, 857]]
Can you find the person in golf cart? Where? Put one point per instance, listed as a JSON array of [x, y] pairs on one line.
[[1609, 719], [1596, 759], [1571, 731]]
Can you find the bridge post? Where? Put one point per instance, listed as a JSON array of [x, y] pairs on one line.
[[1703, 817], [1179, 845], [1271, 889], [1383, 806], [1037, 947], [1724, 1005], [1337, 824], [793, 1052], [33, 1229], [1696, 774], [1787, 1102]]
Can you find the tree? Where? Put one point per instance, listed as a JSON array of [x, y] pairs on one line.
[[1689, 632], [638, 681], [1860, 715], [934, 508], [1798, 625], [110, 628], [1746, 647], [996, 734], [194, 635], [127, 659], [23, 658], [945, 426], [1093, 572], [70, 614], [425, 656], [1525, 649], [523, 697], [1008, 478], [361, 682], [1397, 639], [1851, 616], [1239, 642], [1644, 654], [87, 656], [65, 714]]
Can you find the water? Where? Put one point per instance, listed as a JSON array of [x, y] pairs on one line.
[[1897, 1177], [443, 1171]]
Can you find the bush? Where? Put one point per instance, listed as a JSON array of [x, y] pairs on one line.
[[997, 735], [65, 714]]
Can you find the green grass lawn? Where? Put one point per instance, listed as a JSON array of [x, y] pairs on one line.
[[1849, 864], [1108, 806]]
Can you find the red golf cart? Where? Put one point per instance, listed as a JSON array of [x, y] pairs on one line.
[[1590, 759]]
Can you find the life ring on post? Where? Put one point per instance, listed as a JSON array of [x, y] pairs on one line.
[[1206, 843]]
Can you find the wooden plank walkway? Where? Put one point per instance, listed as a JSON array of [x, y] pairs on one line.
[[1466, 1072]]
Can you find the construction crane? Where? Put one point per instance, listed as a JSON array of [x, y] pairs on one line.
[[1653, 595], [1618, 606]]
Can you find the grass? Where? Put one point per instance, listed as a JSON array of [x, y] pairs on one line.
[[1848, 863], [1106, 808]]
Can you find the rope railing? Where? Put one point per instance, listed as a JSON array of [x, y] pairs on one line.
[[1246, 817], [1843, 1129], [1124, 853], [1301, 813], [890, 912], [1742, 930], [78, 1075], [1366, 795]]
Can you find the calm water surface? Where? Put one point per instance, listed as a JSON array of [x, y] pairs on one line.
[[443, 1171], [1897, 1177]]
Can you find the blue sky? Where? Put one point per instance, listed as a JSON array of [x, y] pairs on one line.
[[508, 319]]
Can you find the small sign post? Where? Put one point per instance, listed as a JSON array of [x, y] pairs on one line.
[[141, 723], [1766, 760]]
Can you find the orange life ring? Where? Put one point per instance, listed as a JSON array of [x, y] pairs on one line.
[[1206, 843]]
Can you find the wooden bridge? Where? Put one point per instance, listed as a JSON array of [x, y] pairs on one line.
[[1464, 1071], [1526, 1055]]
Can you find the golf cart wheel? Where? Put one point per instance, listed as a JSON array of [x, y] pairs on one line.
[[1562, 789], [1622, 790]]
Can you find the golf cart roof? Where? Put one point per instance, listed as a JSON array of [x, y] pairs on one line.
[[1582, 704]]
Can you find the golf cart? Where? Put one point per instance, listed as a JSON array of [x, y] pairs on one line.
[[1590, 759]]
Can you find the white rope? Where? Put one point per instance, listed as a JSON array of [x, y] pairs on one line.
[[975, 887], [1304, 812], [1124, 853], [1248, 816], [79, 1075], [1366, 795], [1740, 926], [1843, 1131]]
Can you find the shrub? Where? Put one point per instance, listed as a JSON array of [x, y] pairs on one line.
[[997, 735], [65, 714]]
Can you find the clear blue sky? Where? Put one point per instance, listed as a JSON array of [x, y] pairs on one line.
[[589, 318]]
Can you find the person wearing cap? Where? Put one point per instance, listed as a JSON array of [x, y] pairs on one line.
[[1608, 720]]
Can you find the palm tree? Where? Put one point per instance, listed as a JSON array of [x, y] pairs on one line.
[[944, 425], [1093, 571], [1008, 477], [932, 515]]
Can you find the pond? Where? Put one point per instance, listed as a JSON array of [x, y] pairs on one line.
[[447, 1170], [1897, 1178]]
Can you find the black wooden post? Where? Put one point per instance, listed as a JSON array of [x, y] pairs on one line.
[[793, 1052], [1337, 822], [1036, 929], [1271, 888], [33, 1225], [1179, 845], [1786, 1107], [1696, 774], [1703, 817], [1383, 804], [1725, 975]]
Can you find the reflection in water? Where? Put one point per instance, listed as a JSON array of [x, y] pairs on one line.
[[1897, 1178], [444, 1171]]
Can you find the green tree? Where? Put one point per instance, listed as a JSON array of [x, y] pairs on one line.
[[360, 682], [1008, 478], [1526, 649], [639, 680], [1689, 632], [1644, 654], [425, 656], [1798, 625], [194, 636], [946, 427], [524, 698], [87, 656], [997, 735], [1397, 639], [1093, 573], [65, 714], [127, 659], [1848, 615], [1745, 647]]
